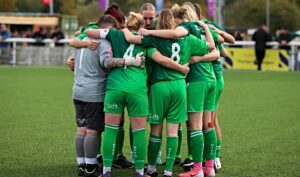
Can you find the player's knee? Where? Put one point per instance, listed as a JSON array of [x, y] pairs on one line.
[[81, 130], [91, 132]]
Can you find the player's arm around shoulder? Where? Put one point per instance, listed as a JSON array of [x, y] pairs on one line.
[[88, 43]]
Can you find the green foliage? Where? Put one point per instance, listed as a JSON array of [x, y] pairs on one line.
[[89, 12], [7, 5], [68, 7], [27, 6], [259, 115], [252, 13]]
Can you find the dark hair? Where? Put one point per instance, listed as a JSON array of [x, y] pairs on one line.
[[114, 11], [106, 21], [198, 11]]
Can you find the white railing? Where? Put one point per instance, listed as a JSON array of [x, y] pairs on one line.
[[14, 42], [49, 42]]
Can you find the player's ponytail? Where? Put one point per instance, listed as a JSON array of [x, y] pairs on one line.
[[135, 21], [191, 14], [165, 20], [179, 13], [198, 11], [115, 12]]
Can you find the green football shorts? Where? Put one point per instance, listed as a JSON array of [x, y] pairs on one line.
[[115, 102], [168, 100], [220, 88], [201, 96]]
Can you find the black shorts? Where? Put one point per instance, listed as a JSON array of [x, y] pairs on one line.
[[89, 115]]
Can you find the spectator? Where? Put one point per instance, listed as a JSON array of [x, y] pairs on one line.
[[5, 56], [284, 38], [261, 36], [39, 36], [57, 35], [238, 37], [15, 33]]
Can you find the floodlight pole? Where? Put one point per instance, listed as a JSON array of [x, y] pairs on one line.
[[218, 17], [51, 7], [268, 13]]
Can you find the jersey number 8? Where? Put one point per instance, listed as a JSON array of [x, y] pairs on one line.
[[175, 52]]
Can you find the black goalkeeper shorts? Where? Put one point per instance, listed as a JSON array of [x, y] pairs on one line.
[[89, 115]]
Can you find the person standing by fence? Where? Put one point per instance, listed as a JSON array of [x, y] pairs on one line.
[[261, 36], [5, 56]]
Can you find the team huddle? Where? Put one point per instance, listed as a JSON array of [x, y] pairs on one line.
[[160, 69]]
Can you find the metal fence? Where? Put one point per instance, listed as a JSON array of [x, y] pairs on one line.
[[22, 51]]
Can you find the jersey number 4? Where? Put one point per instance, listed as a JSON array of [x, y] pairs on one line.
[[129, 51]]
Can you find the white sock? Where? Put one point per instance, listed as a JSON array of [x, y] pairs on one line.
[[151, 168], [168, 173], [140, 171], [106, 169]]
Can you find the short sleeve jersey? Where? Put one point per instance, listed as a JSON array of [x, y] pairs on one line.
[[179, 50], [202, 71], [131, 79], [217, 64]]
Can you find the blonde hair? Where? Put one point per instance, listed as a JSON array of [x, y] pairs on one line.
[[147, 6], [165, 20], [191, 14], [179, 12], [135, 21], [189, 4]]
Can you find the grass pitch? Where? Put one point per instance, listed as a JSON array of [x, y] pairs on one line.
[[259, 114]]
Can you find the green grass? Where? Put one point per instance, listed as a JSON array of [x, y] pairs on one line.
[[259, 115]]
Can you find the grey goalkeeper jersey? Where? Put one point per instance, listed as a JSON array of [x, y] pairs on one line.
[[90, 73]]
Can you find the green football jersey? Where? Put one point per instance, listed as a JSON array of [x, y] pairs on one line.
[[197, 30], [202, 71], [130, 79], [180, 50], [217, 64], [206, 21]]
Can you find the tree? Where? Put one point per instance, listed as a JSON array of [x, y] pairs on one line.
[[68, 7], [27, 6], [8, 5], [252, 13]]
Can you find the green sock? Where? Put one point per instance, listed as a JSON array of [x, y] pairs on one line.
[[197, 143], [109, 144], [139, 147], [210, 142], [188, 138], [153, 149], [218, 149], [178, 153], [119, 142], [171, 149]]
